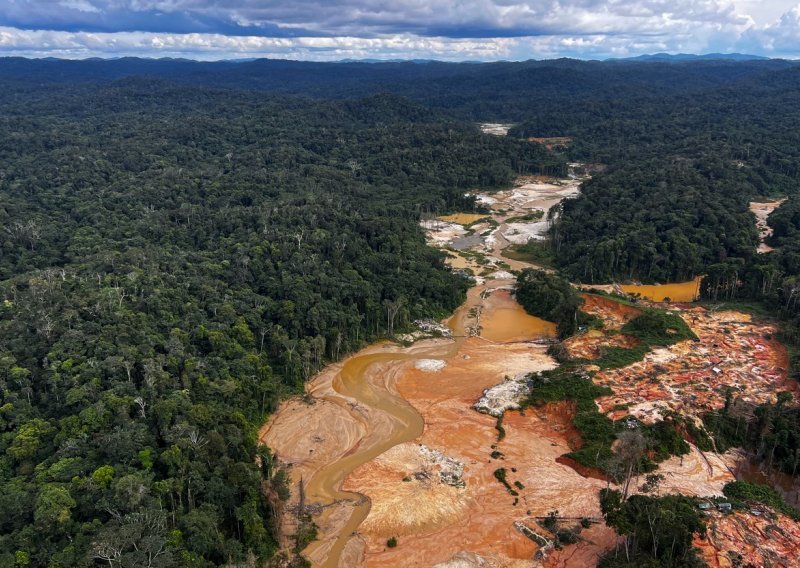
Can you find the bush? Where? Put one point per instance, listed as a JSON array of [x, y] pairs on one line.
[[740, 491], [658, 327], [552, 298]]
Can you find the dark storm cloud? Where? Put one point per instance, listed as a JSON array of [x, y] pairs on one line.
[[360, 18]]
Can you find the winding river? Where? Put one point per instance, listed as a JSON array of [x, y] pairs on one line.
[[362, 387], [358, 415]]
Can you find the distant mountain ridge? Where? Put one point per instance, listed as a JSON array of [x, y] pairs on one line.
[[680, 57], [501, 91]]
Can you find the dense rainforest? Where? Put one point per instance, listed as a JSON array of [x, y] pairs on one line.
[[173, 261], [184, 243]]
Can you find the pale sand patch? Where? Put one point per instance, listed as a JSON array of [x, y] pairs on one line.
[[430, 365], [521, 233], [762, 210], [495, 128], [503, 396], [700, 474]]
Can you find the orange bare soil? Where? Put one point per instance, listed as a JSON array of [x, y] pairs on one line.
[[691, 377], [614, 314], [435, 489], [591, 344], [391, 444], [551, 143], [759, 537], [435, 522], [462, 218]]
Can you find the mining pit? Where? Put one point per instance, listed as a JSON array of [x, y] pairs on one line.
[[425, 446]]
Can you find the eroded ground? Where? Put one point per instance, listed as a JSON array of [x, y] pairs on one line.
[[762, 209], [436, 518], [389, 442], [517, 215], [758, 537], [692, 377]]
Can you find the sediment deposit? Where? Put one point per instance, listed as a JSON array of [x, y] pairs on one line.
[[426, 444], [762, 209]]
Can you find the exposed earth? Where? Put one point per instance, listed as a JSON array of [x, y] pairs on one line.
[[495, 129], [762, 209], [403, 445]]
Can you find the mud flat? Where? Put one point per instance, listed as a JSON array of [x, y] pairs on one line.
[[762, 209], [390, 446], [435, 524], [354, 416], [462, 218]]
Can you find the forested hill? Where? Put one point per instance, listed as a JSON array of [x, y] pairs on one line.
[[173, 261], [682, 167], [182, 244], [506, 91]]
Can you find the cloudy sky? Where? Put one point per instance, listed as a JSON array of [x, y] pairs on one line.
[[388, 29]]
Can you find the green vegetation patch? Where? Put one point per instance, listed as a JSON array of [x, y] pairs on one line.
[[306, 534], [770, 431], [617, 357], [535, 252], [500, 475], [470, 227], [658, 531], [740, 491], [533, 216], [658, 328], [598, 432], [550, 297], [565, 383], [501, 432]]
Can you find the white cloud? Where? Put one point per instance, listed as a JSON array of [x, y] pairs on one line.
[[781, 38], [441, 29], [79, 5], [215, 46]]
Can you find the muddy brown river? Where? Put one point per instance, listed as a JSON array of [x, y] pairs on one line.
[[357, 380], [357, 414], [364, 387], [677, 292]]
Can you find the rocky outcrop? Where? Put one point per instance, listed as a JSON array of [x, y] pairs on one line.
[[505, 396]]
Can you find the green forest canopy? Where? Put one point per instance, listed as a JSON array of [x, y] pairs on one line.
[[183, 244], [173, 262]]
